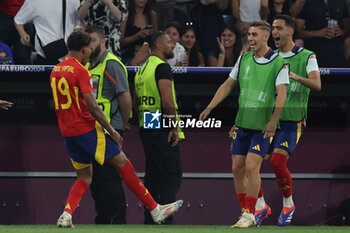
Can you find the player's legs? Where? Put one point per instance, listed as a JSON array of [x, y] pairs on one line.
[[126, 170], [238, 170], [252, 171], [239, 149], [77, 191], [257, 149], [284, 144], [108, 193], [81, 160], [278, 162], [253, 164], [262, 210]]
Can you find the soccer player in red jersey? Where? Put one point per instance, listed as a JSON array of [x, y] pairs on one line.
[[88, 134]]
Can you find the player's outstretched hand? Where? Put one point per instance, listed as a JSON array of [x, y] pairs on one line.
[[173, 136], [5, 104], [204, 114]]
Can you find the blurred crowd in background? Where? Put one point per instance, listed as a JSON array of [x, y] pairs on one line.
[[204, 32]]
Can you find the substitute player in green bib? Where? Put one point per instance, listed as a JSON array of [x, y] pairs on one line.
[[259, 73], [155, 99], [304, 75]]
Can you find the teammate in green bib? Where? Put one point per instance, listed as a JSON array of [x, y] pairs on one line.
[[260, 73], [304, 75], [155, 99]]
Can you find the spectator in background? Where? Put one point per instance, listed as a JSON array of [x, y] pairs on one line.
[[47, 19], [210, 23], [165, 11], [319, 36], [270, 8], [140, 24], [229, 48], [6, 57], [9, 34], [108, 14], [245, 12], [173, 30], [347, 42], [193, 53]]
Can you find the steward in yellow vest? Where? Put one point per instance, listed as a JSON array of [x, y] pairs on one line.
[[155, 98]]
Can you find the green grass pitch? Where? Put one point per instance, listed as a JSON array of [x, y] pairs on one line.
[[168, 229]]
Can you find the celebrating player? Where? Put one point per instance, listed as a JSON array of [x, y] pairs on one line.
[[259, 74], [304, 75], [88, 134]]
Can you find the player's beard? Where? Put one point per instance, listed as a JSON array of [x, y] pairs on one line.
[[169, 55], [95, 53]]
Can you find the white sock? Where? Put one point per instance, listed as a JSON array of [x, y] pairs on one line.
[[155, 211], [260, 203], [66, 214], [288, 202]]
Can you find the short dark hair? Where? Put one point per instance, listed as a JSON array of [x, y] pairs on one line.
[[287, 19], [155, 38], [78, 40], [175, 25], [97, 29], [263, 25]]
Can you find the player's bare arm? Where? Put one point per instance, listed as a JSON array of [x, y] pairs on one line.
[[271, 126], [165, 89], [223, 91], [313, 81], [97, 113]]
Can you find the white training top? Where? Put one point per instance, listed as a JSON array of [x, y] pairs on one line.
[[312, 64], [282, 77], [47, 17], [249, 10], [179, 54]]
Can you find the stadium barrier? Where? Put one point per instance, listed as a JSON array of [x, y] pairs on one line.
[[35, 155]]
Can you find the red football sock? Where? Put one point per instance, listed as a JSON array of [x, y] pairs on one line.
[[260, 191], [283, 176], [250, 204], [75, 194], [131, 180], [241, 199]]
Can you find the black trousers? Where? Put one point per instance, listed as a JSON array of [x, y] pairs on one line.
[[163, 169], [9, 35], [108, 193]]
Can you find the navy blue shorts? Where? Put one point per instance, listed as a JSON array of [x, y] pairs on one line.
[[246, 140], [96, 144], [287, 137]]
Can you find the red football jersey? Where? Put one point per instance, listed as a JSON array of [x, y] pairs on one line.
[[68, 80]]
